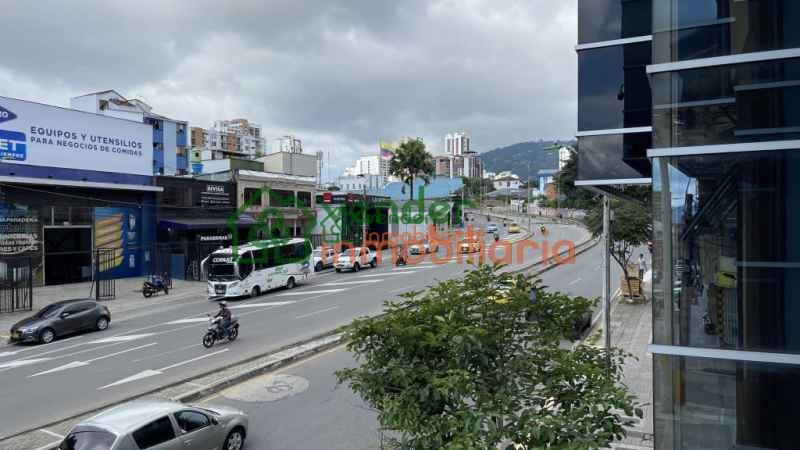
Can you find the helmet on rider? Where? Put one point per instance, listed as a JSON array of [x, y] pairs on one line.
[[223, 304]]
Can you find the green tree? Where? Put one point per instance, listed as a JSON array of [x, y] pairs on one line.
[[411, 162], [475, 186], [631, 227], [473, 363]]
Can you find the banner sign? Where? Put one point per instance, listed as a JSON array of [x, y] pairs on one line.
[[48, 136], [19, 231]]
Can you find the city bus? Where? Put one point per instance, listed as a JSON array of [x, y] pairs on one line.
[[257, 267]]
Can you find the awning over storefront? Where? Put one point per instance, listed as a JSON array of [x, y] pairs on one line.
[[198, 223]]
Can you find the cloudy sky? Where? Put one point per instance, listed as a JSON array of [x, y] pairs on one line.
[[338, 74]]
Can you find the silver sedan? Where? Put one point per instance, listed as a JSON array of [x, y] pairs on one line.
[[160, 425]]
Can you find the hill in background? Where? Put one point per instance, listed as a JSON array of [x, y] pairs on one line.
[[516, 158]]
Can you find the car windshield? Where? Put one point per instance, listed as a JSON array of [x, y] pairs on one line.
[[88, 440], [48, 311]]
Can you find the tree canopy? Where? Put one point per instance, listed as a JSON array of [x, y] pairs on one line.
[[411, 162], [474, 363]]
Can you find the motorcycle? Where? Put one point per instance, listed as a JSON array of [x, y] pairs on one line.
[[401, 258], [154, 285], [496, 237], [215, 334]]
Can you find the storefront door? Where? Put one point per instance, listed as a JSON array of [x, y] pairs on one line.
[[67, 254]]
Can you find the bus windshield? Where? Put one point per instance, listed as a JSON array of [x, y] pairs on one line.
[[221, 269]]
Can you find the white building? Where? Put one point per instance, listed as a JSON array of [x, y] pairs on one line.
[[288, 144], [358, 183], [365, 165], [170, 136], [456, 144], [489, 175], [564, 155], [506, 180], [245, 136]]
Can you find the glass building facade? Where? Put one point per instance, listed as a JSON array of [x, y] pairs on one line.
[[723, 82]]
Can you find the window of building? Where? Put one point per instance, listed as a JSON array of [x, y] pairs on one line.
[[281, 198], [727, 104], [692, 29], [613, 157], [718, 404], [303, 199], [606, 20], [727, 248], [613, 88], [252, 196]]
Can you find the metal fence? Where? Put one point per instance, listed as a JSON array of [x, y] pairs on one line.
[[16, 284], [105, 287]]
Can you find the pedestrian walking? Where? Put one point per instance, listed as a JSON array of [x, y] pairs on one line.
[[642, 266]]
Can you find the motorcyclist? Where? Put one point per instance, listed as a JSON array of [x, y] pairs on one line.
[[225, 314], [496, 237]]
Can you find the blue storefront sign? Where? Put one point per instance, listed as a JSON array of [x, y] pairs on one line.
[[120, 229]]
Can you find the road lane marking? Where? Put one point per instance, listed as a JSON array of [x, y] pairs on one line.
[[189, 361], [8, 365], [123, 338], [347, 283], [387, 274], [259, 305], [55, 435], [158, 355], [316, 312], [76, 364], [8, 354], [51, 345], [188, 320], [153, 372], [577, 280], [322, 291]]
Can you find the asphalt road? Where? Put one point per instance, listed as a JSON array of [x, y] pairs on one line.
[[302, 407], [42, 384]]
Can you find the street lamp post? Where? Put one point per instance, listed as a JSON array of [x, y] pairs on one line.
[[363, 209]]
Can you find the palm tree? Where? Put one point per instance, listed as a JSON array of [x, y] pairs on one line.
[[411, 162]]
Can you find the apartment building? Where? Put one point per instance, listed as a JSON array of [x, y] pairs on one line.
[[170, 136], [696, 98], [237, 138]]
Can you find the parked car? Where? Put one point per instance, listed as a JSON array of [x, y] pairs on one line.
[[491, 228], [355, 259], [470, 246], [60, 319], [162, 425], [322, 260], [423, 248], [514, 228]]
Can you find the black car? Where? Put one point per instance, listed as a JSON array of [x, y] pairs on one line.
[[61, 318]]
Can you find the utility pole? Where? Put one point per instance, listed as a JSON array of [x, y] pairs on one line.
[[606, 272]]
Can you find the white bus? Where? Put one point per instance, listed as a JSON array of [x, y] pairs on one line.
[[257, 267]]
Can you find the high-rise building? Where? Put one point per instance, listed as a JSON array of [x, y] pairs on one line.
[[170, 136], [288, 143], [456, 144], [722, 143], [238, 138]]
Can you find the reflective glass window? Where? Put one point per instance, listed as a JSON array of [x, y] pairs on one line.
[[717, 404], [607, 20], [613, 89], [726, 266], [612, 157], [692, 29], [727, 104]]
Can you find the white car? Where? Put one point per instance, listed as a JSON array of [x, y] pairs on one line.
[[423, 248], [356, 259], [491, 228], [322, 260]]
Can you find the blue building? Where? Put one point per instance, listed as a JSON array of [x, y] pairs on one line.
[[170, 136], [73, 184]]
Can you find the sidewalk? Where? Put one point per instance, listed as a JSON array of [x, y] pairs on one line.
[[128, 303], [631, 330]]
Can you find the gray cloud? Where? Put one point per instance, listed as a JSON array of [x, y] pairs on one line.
[[340, 75]]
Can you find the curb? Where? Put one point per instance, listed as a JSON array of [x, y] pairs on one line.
[[334, 338]]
